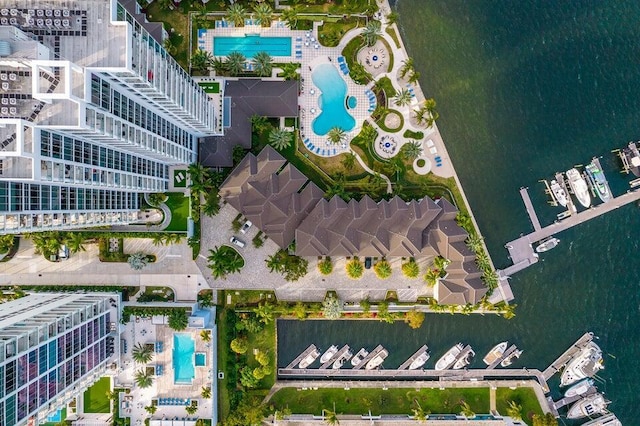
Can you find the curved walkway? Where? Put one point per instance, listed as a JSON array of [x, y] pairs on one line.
[[373, 172], [166, 220]]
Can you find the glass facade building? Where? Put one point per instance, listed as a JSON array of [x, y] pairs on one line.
[[93, 113], [52, 347]]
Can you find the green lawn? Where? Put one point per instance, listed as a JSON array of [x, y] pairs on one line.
[[525, 397], [180, 177], [213, 87], [266, 342], [390, 401], [95, 398], [179, 206]]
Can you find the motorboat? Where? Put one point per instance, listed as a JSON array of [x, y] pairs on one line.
[[308, 360], [328, 354], [509, 359], [588, 406], [579, 388], [631, 158], [598, 180], [559, 193], [341, 360], [579, 187], [449, 358], [377, 360], [419, 361], [357, 359], [547, 245], [585, 364], [464, 360], [495, 353], [606, 420]]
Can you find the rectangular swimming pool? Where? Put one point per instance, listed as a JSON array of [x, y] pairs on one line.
[[184, 348], [251, 44], [201, 359]]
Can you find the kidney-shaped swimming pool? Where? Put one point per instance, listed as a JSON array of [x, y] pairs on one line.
[[332, 101]]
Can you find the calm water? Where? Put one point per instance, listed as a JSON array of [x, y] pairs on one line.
[[525, 89]]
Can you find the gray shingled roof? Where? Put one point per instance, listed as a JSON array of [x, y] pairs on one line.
[[272, 194]]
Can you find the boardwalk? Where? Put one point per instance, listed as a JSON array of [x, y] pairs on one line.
[[521, 250], [302, 356], [563, 359], [412, 358], [524, 193]]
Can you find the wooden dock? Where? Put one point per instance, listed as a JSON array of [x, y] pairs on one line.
[[333, 359], [524, 193], [412, 358], [368, 358], [302, 356], [563, 359], [511, 349], [521, 250]]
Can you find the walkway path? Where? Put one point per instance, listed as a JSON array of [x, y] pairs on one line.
[[492, 399], [373, 172]]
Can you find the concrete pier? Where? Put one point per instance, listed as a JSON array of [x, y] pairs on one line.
[[412, 358], [524, 193], [333, 359], [302, 356], [369, 357], [563, 359]]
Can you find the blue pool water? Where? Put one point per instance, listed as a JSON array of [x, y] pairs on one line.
[[352, 102], [331, 101], [183, 349], [201, 360], [249, 45], [55, 417]]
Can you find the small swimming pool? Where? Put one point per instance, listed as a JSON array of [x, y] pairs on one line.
[[184, 347], [331, 101], [251, 44], [201, 359], [55, 417], [352, 102]]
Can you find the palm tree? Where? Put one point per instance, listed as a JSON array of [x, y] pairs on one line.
[[355, 269], [142, 379], [191, 409], [414, 77], [407, 67], [201, 60], [430, 107], [291, 16], [392, 18], [349, 161], [371, 32], [219, 66], [280, 139], [223, 262], [205, 335], [412, 150], [206, 392], [411, 269], [382, 269], [330, 417], [474, 242], [263, 64], [158, 240], [236, 14], [514, 410], [431, 277], [259, 123], [466, 410], [263, 14], [402, 98], [151, 409], [142, 354], [235, 63], [290, 71], [336, 135], [265, 313], [170, 45], [419, 413], [75, 241]]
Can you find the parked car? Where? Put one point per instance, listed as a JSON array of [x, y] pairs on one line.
[[367, 262], [237, 242], [246, 227], [63, 253]]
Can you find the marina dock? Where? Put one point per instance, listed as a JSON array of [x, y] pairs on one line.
[[368, 358], [570, 400], [511, 349], [524, 193], [465, 352], [302, 356], [563, 359], [521, 250], [412, 358], [333, 359]]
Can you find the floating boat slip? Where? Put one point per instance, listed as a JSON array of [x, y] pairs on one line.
[[509, 359], [335, 357], [410, 362], [495, 353], [587, 407], [449, 358], [585, 364], [302, 356], [377, 360], [579, 187], [369, 357], [579, 388], [357, 359], [419, 361], [548, 244], [328, 354], [341, 359], [598, 180], [464, 359], [308, 360]]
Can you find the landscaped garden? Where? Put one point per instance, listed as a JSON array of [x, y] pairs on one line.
[[95, 398], [179, 206], [518, 403]]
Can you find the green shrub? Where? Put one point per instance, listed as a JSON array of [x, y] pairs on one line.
[[355, 269], [325, 266], [382, 269]]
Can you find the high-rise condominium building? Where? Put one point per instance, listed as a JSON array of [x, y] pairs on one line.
[[52, 347], [93, 111]]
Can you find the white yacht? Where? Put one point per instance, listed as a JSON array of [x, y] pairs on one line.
[[329, 353], [464, 361], [606, 420], [308, 360], [559, 193], [588, 406], [377, 360], [357, 359], [579, 388], [579, 187], [585, 364], [509, 360], [495, 353], [341, 360], [449, 358], [419, 361]]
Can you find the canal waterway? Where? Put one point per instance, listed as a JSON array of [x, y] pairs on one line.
[[524, 90]]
